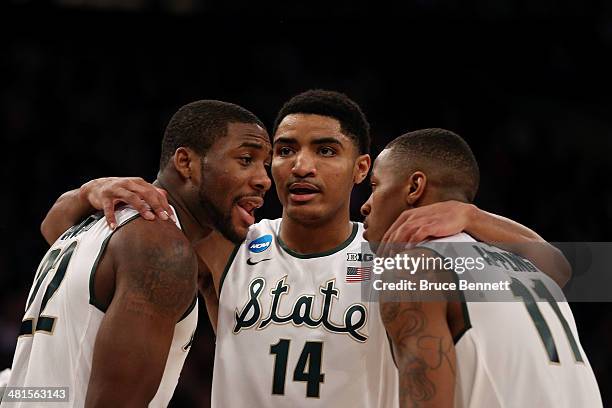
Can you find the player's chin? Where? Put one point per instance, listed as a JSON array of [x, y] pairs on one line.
[[241, 233], [305, 213], [236, 233], [372, 238]]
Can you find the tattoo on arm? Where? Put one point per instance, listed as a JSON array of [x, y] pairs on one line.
[[419, 353], [162, 280]]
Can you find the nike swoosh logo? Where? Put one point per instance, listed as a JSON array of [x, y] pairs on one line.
[[249, 262]]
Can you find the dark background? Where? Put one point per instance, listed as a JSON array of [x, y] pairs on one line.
[[88, 87]]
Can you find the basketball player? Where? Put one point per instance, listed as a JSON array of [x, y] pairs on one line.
[[112, 313], [292, 326], [516, 353]]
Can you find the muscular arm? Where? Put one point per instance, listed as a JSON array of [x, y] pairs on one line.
[[451, 217], [155, 282], [422, 346], [67, 210], [104, 194], [514, 237]]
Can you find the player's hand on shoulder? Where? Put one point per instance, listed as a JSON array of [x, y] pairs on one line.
[[105, 193]]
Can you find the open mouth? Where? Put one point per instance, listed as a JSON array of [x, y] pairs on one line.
[[246, 208], [302, 192]]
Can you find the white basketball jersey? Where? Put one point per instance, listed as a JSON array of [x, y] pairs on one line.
[[295, 331], [58, 332], [519, 350]]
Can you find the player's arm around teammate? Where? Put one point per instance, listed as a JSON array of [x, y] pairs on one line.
[[147, 279], [151, 202], [104, 194], [412, 226], [448, 218]]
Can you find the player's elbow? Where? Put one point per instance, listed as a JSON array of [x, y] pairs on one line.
[[563, 268], [550, 260], [47, 230], [120, 394]]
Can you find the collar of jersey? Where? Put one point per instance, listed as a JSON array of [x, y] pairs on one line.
[[319, 254]]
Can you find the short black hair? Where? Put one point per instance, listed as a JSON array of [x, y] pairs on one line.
[[335, 105], [199, 124], [450, 157]]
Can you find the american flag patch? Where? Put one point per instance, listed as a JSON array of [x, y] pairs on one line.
[[358, 274]]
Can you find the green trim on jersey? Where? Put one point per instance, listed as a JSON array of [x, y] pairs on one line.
[[391, 347], [92, 298], [467, 323], [320, 254], [189, 309], [229, 263]]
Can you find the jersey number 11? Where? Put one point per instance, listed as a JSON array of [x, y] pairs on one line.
[[519, 290]]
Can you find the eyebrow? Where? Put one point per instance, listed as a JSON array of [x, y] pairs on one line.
[[319, 141], [285, 140], [327, 140]]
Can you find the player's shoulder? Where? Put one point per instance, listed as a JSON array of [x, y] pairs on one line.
[[148, 239], [144, 251], [443, 245], [95, 227], [460, 237], [156, 259], [263, 227], [355, 245], [126, 213], [260, 236], [139, 252]]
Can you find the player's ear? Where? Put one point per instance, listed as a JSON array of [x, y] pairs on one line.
[[186, 162], [415, 188], [362, 167]]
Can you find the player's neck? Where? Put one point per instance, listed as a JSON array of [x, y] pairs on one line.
[[193, 230], [315, 238]]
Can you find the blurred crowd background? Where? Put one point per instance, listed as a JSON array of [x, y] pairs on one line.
[[89, 85]]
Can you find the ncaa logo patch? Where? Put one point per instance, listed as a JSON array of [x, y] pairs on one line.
[[260, 244]]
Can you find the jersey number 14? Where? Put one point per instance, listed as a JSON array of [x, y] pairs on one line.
[[310, 356]]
